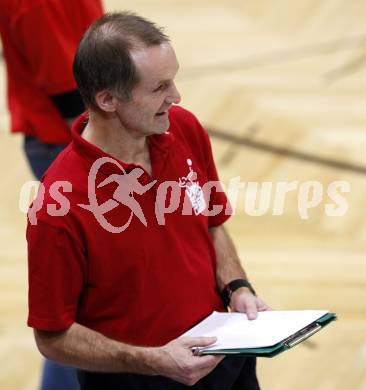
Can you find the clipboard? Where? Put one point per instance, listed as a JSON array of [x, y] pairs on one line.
[[273, 350]]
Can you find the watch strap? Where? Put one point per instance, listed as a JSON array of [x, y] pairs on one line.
[[233, 286]]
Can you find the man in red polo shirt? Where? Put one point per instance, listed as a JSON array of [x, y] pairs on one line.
[[126, 248]]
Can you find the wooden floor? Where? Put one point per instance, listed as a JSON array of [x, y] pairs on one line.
[[281, 86]]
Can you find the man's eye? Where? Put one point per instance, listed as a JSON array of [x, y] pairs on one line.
[[161, 87]]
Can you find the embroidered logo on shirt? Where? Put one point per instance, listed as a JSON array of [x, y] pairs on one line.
[[193, 189]]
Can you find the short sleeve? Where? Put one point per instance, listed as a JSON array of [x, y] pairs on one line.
[[57, 272]]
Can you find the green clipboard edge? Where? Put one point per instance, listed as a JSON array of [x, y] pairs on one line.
[[282, 346]]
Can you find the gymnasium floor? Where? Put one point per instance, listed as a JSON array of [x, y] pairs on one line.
[[281, 87]]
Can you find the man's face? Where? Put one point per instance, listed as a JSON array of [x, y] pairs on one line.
[[147, 112]]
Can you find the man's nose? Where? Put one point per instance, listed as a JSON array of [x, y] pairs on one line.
[[174, 96]]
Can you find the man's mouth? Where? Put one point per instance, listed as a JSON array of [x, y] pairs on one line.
[[161, 113]]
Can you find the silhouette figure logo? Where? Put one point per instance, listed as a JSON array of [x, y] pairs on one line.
[[127, 185]]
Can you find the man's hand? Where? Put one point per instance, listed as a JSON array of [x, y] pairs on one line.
[[175, 360], [243, 301], [89, 350]]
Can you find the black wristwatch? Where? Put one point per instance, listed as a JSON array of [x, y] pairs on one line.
[[228, 290]]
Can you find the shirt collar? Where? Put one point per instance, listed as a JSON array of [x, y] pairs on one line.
[[159, 144]]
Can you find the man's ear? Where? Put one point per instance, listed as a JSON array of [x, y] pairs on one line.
[[106, 101]]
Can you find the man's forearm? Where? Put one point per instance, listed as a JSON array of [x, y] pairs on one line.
[[87, 349], [90, 350], [228, 265]]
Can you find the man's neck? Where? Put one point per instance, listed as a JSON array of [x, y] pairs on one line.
[[108, 135]]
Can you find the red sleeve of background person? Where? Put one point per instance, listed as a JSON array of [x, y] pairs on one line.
[[53, 40], [39, 42]]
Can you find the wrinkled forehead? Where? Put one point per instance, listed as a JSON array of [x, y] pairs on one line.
[[155, 63]]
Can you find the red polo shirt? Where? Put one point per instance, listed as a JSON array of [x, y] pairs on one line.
[[39, 39], [145, 285]]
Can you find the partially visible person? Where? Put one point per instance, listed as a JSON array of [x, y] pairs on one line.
[[39, 39]]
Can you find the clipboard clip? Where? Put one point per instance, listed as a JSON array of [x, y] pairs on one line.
[[301, 335], [197, 351]]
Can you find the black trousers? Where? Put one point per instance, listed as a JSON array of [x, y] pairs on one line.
[[233, 373]]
